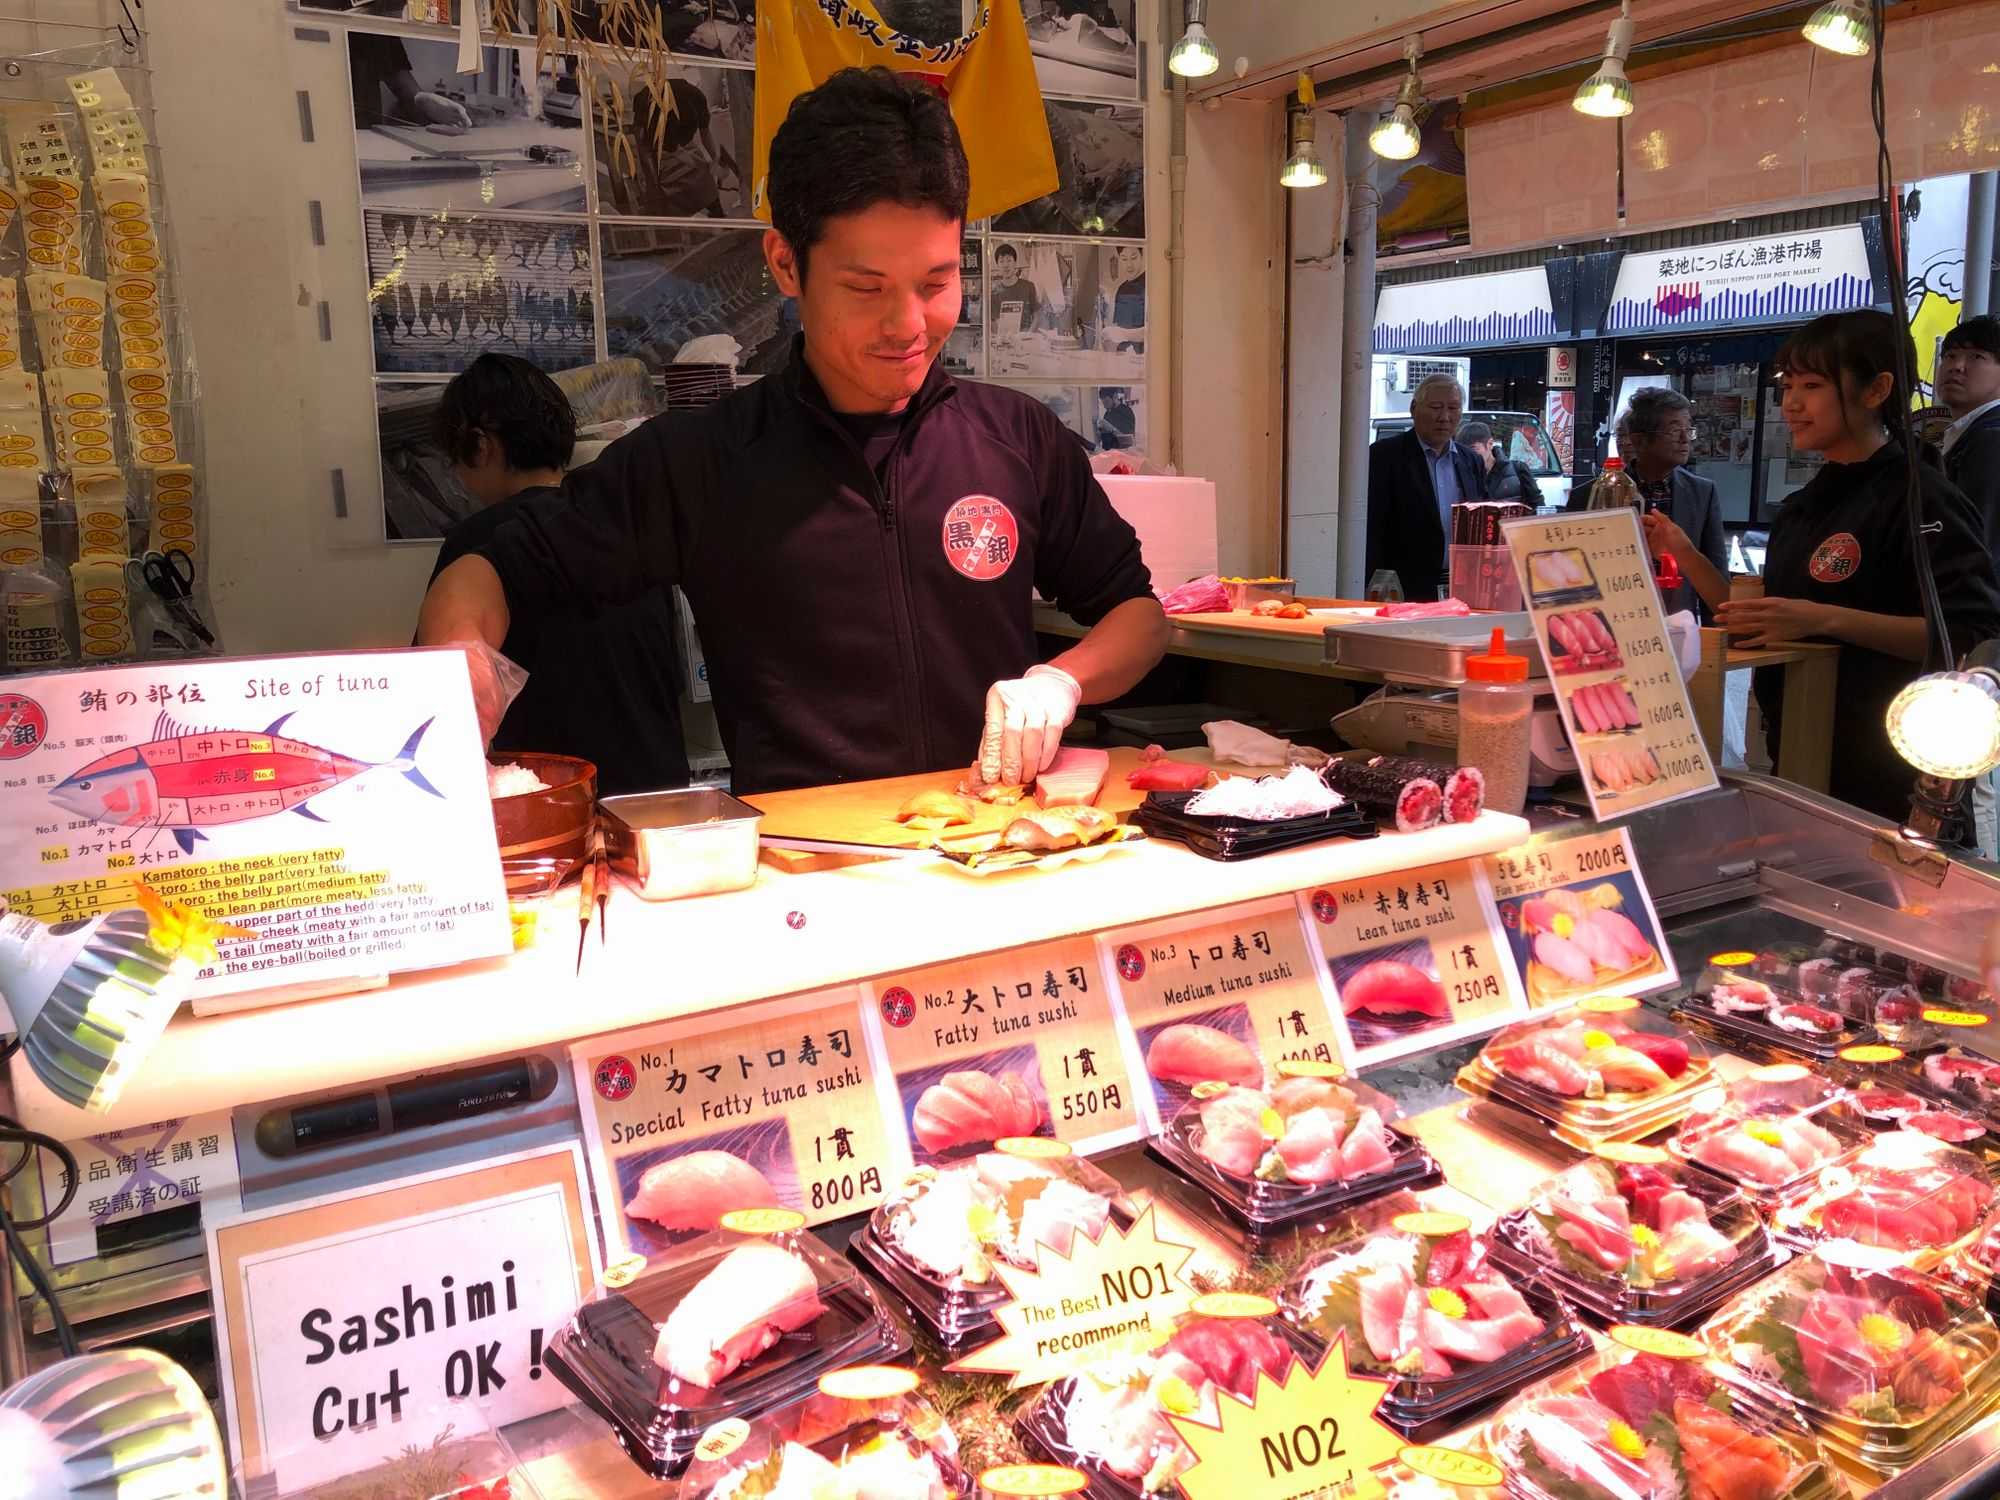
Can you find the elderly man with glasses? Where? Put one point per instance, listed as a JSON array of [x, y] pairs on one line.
[[1681, 512], [1414, 479]]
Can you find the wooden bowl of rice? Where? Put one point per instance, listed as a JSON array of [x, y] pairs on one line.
[[549, 822]]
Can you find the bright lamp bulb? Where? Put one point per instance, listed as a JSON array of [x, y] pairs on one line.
[[1606, 94], [1396, 138], [126, 1422], [1194, 55], [1302, 168], [1841, 26], [1947, 724]]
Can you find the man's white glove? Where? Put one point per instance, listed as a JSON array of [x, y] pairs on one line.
[[1025, 720]]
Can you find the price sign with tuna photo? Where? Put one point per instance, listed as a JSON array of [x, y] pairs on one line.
[[1219, 995], [1578, 919], [1416, 959], [777, 1108], [334, 806], [1024, 1042]]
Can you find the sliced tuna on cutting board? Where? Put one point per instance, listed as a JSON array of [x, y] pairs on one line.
[[1074, 778]]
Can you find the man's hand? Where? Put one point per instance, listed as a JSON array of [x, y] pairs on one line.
[[1664, 538], [1769, 620], [1025, 720], [437, 109]]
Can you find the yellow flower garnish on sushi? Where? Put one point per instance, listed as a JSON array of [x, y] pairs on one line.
[[1177, 1396], [1883, 1332], [1272, 1124], [1597, 1041], [1625, 1441], [983, 1222], [1448, 1302], [1563, 925], [1762, 1130], [1643, 1237], [181, 932]]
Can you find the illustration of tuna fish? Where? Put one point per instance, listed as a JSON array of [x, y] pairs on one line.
[[185, 781]]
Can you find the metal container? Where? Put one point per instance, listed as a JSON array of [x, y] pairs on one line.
[[1431, 652], [692, 841]]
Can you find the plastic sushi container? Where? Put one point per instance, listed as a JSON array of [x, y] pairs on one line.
[[1758, 1015], [1633, 1425], [1256, 1173], [864, 1430], [1671, 1278], [1436, 1259], [1883, 1365], [1632, 1070], [817, 1311], [1905, 1199], [1164, 815], [933, 1243], [1110, 1420], [450, 1452], [1772, 1133], [1957, 1075]]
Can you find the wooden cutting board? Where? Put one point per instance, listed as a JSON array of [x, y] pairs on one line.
[[1231, 622], [864, 812]]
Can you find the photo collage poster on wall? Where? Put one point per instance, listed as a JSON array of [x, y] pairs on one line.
[[504, 210]]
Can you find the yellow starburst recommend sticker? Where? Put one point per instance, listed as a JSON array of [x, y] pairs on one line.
[[1118, 1291], [1316, 1433]]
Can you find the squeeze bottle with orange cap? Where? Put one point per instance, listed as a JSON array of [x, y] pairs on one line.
[[1494, 709]]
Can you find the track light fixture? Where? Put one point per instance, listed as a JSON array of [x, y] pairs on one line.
[[1607, 93], [1302, 168], [1842, 26], [1194, 55], [1397, 138]]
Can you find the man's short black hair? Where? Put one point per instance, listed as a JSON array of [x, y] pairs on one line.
[[515, 403], [1982, 333], [1007, 250], [865, 136]]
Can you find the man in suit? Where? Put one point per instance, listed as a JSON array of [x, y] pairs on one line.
[[1414, 479], [1969, 385], [1680, 511]]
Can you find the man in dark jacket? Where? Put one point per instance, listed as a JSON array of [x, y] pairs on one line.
[[860, 536], [1969, 385], [1414, 479]]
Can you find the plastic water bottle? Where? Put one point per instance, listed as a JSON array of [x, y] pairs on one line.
[[1614, 487]]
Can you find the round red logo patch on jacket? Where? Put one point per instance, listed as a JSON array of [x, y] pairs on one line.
[[1836, 559], [981, 538]]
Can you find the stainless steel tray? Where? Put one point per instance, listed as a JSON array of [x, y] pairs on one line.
[[1431, 652]]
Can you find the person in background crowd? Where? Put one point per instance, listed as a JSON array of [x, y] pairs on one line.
[[1414, 479], [1127, 333], [604, 681], [1117, 423], [1969, 385], [1505, 478], [1681, 511], [1840, 568], [1013, 304]]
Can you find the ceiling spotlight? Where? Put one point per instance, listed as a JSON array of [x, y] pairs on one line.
[[1842, 26], [1194, 55], [1607, 93], [125, 1422], [1302, 168], [1397, 138]]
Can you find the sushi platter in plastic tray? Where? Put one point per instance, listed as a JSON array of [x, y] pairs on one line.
[[934, 1242], [1758, 1018], [1272, 1160], [1626, 1425], [731, 1325], [1423, 1301], [1606, 1069], [1109, 1421], [1639, 1239], [1884, 1365], [864, 1431], [1772, 1132], [1906, 1198]]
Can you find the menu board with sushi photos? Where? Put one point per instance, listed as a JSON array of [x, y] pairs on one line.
[[778, 1106], [1222, 994], [1022, 1042], [1578, 919], [1588, 580], [1415, 958]]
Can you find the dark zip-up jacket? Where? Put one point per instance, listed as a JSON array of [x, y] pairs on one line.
[[852, 622]]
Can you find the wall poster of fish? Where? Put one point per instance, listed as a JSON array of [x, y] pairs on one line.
[[288, 795]]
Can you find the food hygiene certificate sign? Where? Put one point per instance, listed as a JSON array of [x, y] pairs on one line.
[[335, 805], [779, 1107], [1023, 1042], [1578, 918], [1219, 994], [1416, 959], [1589, 586]]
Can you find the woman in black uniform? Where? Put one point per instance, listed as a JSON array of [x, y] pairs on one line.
[[1839, 567]]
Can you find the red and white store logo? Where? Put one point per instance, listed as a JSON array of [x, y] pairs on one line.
[[23, 725], [981, 538], [614, 1078], [1836, 559]]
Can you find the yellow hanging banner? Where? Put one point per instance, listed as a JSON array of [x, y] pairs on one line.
[[987, 76]]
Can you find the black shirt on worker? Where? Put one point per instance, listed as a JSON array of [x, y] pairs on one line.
[[1844, 539], [604, 680], [853, 615]]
